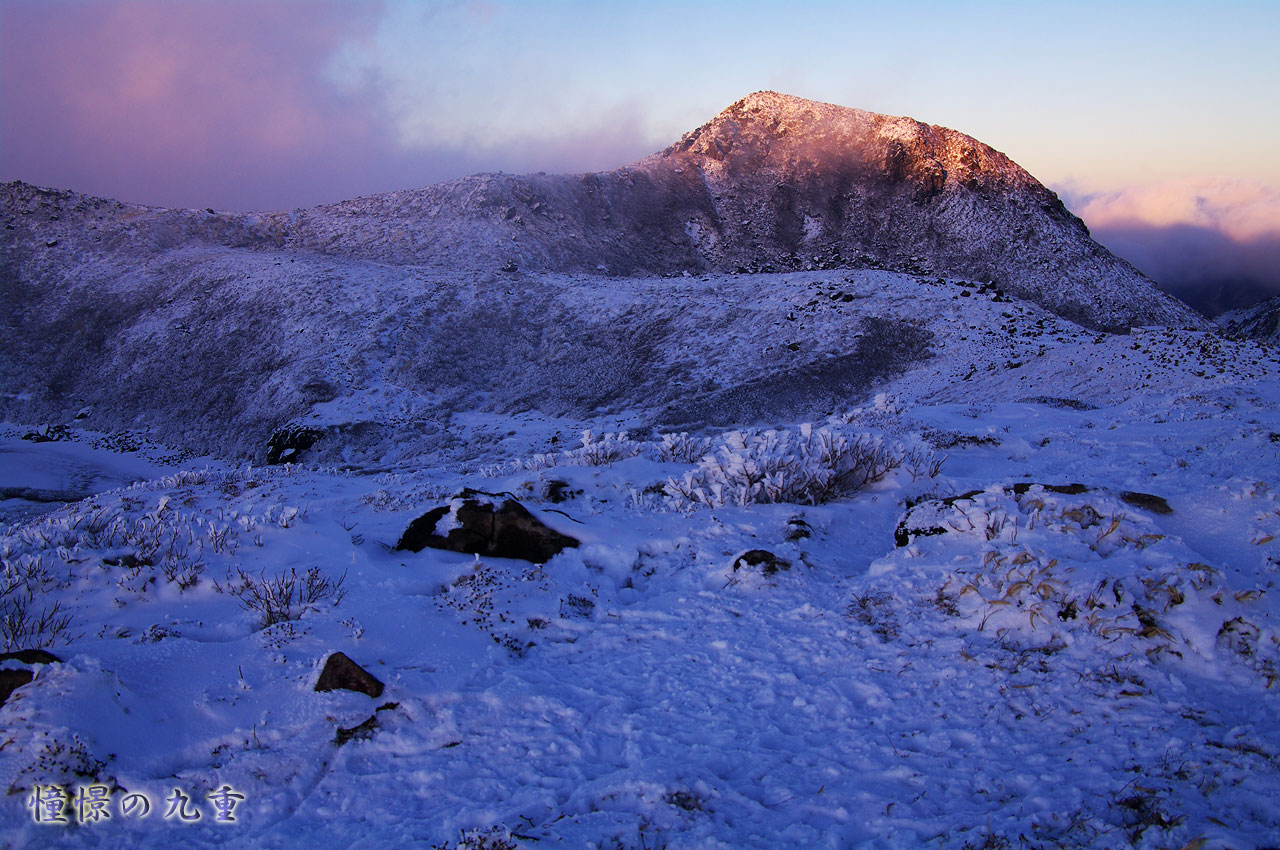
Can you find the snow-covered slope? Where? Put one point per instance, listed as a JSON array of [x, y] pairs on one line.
[[214, 349], [1041, 663]]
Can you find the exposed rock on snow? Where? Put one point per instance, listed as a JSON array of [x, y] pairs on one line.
[[767, 562], [478, 526], [1146, 501], [30, 656], [341, 673], [287, 444]]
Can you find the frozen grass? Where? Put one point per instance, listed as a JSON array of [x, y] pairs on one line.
[[285, 596]]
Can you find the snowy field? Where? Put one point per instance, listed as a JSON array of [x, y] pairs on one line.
[[1029, 665]]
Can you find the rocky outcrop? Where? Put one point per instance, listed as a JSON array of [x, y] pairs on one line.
[[12, 678]]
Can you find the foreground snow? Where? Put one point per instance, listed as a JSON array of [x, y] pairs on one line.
[[1051, 669]]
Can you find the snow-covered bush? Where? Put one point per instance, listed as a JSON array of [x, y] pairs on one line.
[[595, 450], [807, 466], [603, 450], [682, 448], [21, 627]]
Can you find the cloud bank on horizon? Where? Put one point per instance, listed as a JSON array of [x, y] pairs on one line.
[[268, 105], [1213, 243]]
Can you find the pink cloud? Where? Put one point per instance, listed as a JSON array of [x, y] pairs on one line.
[[1244, 210]]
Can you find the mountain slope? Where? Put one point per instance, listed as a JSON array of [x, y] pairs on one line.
[[1259, 321]]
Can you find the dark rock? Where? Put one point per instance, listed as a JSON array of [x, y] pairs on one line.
[[31, 656], [318, 391], [1022, 487], [11, 680], [768, 562], [1147, 502], [422, 531], [47, 434], [341, 673], [362, 731], [287, 444], [506, 531], [128, 561]]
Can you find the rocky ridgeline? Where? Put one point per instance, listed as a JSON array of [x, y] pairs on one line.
[[772, 183]]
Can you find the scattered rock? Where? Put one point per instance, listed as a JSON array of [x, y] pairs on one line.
[[341, 673], [318, 391], [479, 527], [798, 529], [11, 680], [768, 562], [287, 444], [48, 434], [1147, 502]]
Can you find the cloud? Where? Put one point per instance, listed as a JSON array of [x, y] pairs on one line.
[[165, 100], [1242, 210], [1213, 243]]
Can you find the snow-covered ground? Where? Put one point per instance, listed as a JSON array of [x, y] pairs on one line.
[[1039, 666]]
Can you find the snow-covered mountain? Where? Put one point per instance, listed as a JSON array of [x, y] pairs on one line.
[[774, 182], [378, 318]]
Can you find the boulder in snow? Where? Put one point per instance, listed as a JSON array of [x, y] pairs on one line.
[[341, 673], [477, 526]]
